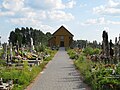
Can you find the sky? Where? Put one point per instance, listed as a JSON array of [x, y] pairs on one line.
[[85, 19]]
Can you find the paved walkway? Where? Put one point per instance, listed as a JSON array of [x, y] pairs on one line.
[[60, 74]]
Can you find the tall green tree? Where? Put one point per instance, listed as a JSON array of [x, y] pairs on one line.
[[12, 37], [23, 36]]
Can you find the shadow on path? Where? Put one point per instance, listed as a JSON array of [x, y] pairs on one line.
[[60, 74]]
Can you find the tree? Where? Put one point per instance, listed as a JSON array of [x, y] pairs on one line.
[[23, 36], [12, 37]]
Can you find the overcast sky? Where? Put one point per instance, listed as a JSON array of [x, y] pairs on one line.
[[86, 19]]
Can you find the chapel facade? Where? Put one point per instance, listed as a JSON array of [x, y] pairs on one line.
[[61, 38]]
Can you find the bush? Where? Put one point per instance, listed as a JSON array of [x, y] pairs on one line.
[[96, 51], [118, 69], [40, 48], [97, 75], [99, 79], [91, 51], [72, 54], [83, 65], [2, 62], [88, 51]]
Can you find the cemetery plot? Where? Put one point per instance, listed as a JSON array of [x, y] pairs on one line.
[[100, 67], [19, 66], [6, 86]]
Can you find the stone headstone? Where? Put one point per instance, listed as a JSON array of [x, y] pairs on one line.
[[105, 44], [106, 51], [119, 47], [116, 50], [5, 50], [7, 59], [32, 46], [11, 53], [17, 46], [16, 52], [31, 41], [1, 81], [22, 50], [111, 48]]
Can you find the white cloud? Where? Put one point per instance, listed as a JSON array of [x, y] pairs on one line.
[[95, 21], [111, 8], [24, 21], [50, 4], [28, 17], [56, 4], [100, 21], [90, 21], [70, 4], [7, 13], [106, 29], [28, 13], [20, 9], [60, 16], [32, 23], [83, 5], [114, 22], [47, 28], [13, 5], [111, 3]]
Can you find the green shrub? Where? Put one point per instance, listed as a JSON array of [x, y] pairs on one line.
[[118, 69], [88, 51], [72, 54], [98, 79], [2, 62], [84, 66], [96, 51], [97, 75], [91, 51], [40, 48]]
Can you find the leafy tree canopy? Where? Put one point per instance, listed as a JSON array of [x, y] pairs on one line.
[[23, 35]]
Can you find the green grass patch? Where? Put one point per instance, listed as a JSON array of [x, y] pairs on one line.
[[97, 75], [22, 77]]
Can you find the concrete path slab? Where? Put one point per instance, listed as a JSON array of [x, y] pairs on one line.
[[60, 74]]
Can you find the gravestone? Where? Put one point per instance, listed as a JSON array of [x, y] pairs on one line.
[[11, 53], [116, 49], [1, 81], [111, 48], [119, 47], [17, 46], [31, 45], [22, 50], [5, 51], [17, 49], [106, 51], [7, 59]]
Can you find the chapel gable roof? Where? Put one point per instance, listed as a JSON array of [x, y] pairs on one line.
[[63, 28]]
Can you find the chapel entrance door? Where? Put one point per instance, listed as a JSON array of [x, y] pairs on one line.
[[62, 44]]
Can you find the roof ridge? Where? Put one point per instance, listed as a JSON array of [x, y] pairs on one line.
[[64, 28]]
